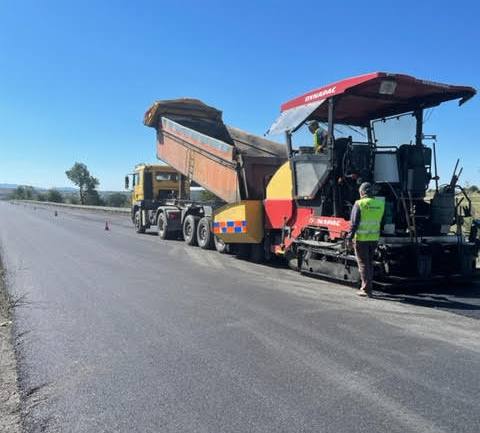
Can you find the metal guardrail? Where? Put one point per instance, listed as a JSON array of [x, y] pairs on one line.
[[121, 210]]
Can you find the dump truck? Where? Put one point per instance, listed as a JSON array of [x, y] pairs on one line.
[[161, 198], [289, 201], [231, 164]]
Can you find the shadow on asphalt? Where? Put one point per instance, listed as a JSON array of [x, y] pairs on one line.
[[462, 299]]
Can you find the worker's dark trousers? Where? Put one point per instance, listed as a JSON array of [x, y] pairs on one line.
[[364, 252]]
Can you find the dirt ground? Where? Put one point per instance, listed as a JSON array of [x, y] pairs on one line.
[[9, 395]]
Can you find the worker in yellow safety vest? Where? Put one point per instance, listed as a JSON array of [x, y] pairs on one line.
[[319, 136], [365, 220]]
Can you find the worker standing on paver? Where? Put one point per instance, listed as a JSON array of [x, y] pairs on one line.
[[365, 219], [319, 136]]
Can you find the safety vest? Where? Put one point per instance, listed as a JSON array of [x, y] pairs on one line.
[[371, 213], [317, 139]]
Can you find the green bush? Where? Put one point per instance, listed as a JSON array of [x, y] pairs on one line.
[[54, 196], [116, 199]]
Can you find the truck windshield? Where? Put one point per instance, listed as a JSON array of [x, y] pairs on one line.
[[160, 176], [394, 131]]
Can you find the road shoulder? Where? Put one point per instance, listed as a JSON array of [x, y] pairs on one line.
[[9, 393]]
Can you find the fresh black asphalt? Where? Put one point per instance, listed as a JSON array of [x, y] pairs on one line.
[[119, 332]]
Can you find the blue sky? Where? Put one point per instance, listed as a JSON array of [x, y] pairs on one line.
[[76, 77]]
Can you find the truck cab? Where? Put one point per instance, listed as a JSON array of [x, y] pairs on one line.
[[153, 182], [152, 185]]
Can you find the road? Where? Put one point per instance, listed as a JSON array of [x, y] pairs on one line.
[[120, 332]]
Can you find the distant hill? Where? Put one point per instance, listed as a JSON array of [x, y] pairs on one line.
[[67, 189], [4, 193], [14, 185], [64, 189], [7, 188]]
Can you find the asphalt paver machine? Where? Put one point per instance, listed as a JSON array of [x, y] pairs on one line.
[[375, 134]]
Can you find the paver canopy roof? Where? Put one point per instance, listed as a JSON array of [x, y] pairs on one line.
[[358, 100]]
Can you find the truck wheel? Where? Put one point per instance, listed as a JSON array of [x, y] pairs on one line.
[[162, 228], [221, 246], [204, 234], [242, 251], [190, 229], [139, 227], [257, 253], [292, 261]]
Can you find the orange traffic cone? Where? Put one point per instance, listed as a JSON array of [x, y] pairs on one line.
[[106, 226]]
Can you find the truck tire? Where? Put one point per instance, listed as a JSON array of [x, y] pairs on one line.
[[139, 227], [242, 251], [162, 227], [257, 253], [292, 261], [204, 234], [190, 229], [221, 246]]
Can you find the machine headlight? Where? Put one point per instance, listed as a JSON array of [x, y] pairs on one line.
[[387, 87]]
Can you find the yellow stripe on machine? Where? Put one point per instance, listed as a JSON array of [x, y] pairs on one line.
[[240, 222], [280, 185]]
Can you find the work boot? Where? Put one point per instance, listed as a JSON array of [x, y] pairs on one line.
[[362, 292]]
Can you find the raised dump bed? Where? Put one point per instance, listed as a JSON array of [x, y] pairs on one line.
[[231, 163]]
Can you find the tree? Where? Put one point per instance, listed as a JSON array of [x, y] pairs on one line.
[[41, 196], [73, 199], [23, 193], [92, 197], [117, 199], [54, 196], [473, 188], [208, 196], [18, 193], [29, 193], [91, 194], [86, 183]]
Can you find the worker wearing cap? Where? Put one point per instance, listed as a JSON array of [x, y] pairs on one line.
[[365, 219], [319, 137]]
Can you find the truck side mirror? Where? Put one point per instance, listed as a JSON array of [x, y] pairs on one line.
[[126, 182]]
